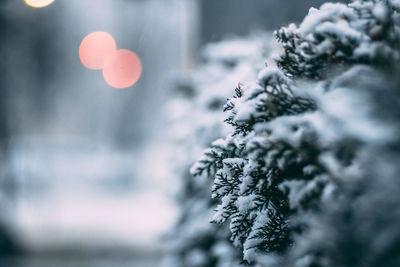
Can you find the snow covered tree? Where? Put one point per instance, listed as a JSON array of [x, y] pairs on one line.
[[357, 221], [296, 153], [195, 120], [338, 35], [252, 162]]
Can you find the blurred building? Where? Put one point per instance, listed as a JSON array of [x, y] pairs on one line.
[[75, 144]]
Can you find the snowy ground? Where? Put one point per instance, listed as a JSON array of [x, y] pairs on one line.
[[70, 200], [82, 261]]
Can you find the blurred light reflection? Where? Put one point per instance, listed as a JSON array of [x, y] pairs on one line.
[[122, 69], [95, 48], [38, 3]]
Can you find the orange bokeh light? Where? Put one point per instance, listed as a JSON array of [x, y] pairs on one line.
[[122, 69], [38, 3], [95, 48]]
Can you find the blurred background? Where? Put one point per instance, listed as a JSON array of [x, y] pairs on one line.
[[82, 178]]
